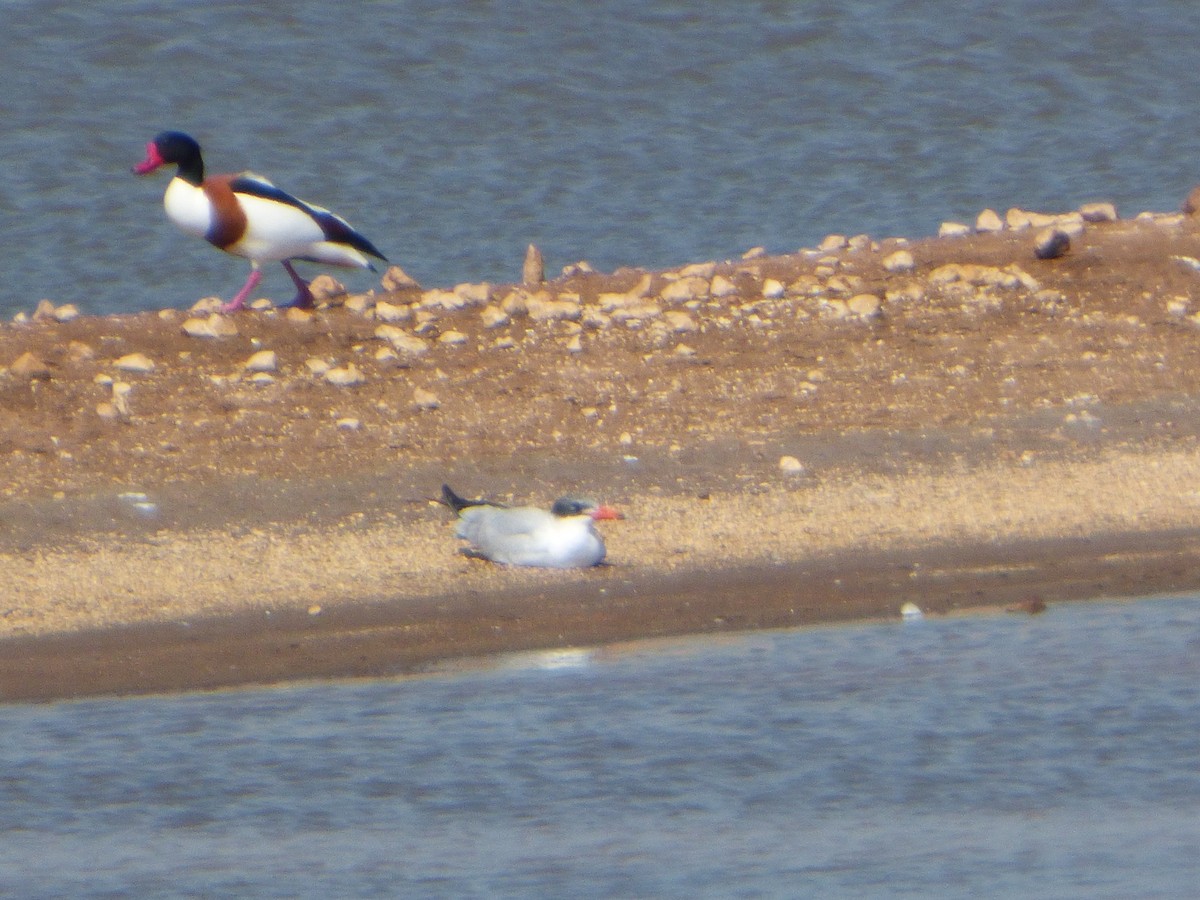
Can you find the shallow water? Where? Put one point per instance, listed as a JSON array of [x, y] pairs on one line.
[[1004, 756], [627, 133]]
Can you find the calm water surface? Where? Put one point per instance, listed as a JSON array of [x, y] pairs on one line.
[[1053, 756], [1005, 757], [629, 132]]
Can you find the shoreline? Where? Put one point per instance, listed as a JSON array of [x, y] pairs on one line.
[[201, 502], [336, 604], [382, 639]]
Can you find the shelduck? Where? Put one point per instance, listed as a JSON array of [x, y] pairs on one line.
[[248, 216]]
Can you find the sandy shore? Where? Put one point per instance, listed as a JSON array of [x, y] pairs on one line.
[[971, 428]]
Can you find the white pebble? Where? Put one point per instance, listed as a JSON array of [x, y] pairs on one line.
[[773, 289], [393, 312], [789, 465], [989, 221], [900, 261], [865, 306], [348, 375], [424, 399], [262, 361], [215, 326], [135, 362]]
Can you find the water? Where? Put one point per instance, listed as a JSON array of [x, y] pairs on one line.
[[1006, 757], [1052, 756], [626, 132]]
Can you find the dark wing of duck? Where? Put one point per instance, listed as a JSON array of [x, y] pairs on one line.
[[334, 227]]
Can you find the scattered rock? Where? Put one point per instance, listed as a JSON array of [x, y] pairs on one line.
[[755, 253], [325, 288], [474, 294], [394, 313], [120, 396], [348, 375], [533, 270], [909, 293], [722, 287], [988, 221], [898, 262], [773, 289], [77, 351], [440, 299], [953, 229], [317, 366], [1098, 212], [703, 270], [452, 338], [401, 340], [865, 306], [494, 317], [543, 307], [910, 611], [1191, 205], [1016, 219], [348, 424], [691, 287], [832, 242], [44, 311], [424, 399], [583, 267], [644, 287], [262, 361], [215, 326], [679, 321], [363, 304], [135, 362], [27, 365], [789, 465], [396, 279], [1051, 243], [636, 310]]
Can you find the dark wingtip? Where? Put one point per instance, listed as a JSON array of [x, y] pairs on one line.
[[452, 499]]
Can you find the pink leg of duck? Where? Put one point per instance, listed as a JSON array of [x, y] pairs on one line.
[[244, 294], [304, 298]]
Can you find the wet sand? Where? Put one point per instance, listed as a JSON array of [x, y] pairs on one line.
[[974, 430]]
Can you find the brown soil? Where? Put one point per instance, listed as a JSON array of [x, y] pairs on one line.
[[1017, 430]]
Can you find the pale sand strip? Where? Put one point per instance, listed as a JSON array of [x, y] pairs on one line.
[[174, 576]]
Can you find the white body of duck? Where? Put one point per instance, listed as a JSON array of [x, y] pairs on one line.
[[248, 216]]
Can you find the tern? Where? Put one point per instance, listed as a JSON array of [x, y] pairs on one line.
[[562, 537]]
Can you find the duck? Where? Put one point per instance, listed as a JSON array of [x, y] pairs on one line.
[[562, 537], [248, 216]]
